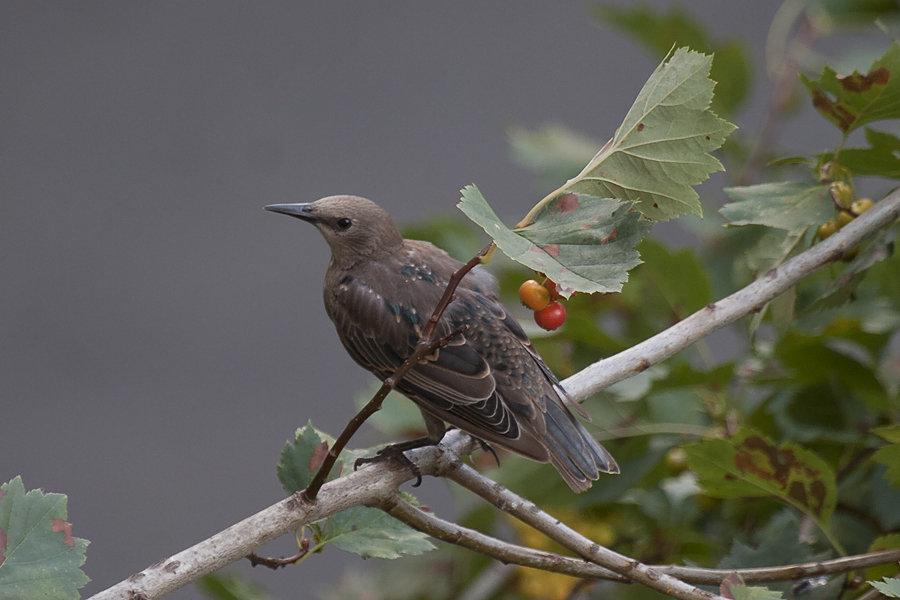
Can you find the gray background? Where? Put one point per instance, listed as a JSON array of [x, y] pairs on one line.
[[160, 335]]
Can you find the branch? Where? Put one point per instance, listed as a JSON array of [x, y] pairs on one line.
[[370, 485], [578, 567], [528, 512], [750, 299]]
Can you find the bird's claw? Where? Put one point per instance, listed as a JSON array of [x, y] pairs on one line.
[[485, 447], [396, 452]]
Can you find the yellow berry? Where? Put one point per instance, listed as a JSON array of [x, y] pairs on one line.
[[841, 194], [827, 229], [843, 218], [861, 206]]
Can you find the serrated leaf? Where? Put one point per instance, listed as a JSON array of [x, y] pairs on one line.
[[583, 243], [301, 457], [750, 465], [880, 159], [779, 544], [843, 288], [39, 558], [889, 586], [889, 456], [372, 533], [662, 147], [678, 276], [789, 206], [851, 101]]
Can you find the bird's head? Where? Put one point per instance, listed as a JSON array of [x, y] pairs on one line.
[[355, 228]]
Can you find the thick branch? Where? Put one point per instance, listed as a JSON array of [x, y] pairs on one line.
[[368, 486], [717, 315]]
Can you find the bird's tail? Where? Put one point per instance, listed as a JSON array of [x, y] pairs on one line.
[[577, 456]]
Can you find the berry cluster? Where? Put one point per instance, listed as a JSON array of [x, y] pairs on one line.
[[847, 209], [544, 300]]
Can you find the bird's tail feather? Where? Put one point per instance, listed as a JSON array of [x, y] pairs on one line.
[[577, 456]]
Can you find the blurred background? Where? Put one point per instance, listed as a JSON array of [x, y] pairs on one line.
[[160, 335]]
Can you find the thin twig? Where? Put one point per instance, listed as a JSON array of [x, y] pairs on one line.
[[530, 513], [577, 567], [425, 346]]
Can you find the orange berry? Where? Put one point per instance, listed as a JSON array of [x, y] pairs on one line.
[[534, 295]]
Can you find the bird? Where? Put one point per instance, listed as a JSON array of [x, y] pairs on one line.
[[487, 380]]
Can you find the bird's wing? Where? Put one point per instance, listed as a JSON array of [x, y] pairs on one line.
[[454, 383]]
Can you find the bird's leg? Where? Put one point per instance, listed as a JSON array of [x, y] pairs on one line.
[[395, 452]]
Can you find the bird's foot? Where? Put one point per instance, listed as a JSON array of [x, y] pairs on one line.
[[485, 447], [395, 452]]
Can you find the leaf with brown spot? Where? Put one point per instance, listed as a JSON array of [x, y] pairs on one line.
[[751, 465], [583, 243], [662, 148], [63, 526], [851, 101], [38, 562], [301, 457]]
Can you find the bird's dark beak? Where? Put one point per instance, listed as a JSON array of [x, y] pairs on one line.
[[301, 211]]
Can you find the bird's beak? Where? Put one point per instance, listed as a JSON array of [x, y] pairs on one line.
[[301, 211]]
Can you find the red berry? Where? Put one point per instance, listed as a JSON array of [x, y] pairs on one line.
[[551, 317], [534, 295]]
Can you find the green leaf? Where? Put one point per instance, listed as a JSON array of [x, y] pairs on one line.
[[662, 147], [843, 288], [780, 543], [366, 531], [851, 101], [750, 465], [677, 276], [661, 30], [370, 532], [888, 586], [581, 242], [301, 457], [889, 456], [790, 206], [880, 159], [39, 558]]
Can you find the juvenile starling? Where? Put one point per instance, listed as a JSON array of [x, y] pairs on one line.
[[489, 381]]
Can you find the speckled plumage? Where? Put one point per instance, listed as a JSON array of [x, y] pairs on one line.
[[489, 381]]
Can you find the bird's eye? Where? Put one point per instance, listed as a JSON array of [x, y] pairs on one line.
[[344, 223]]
